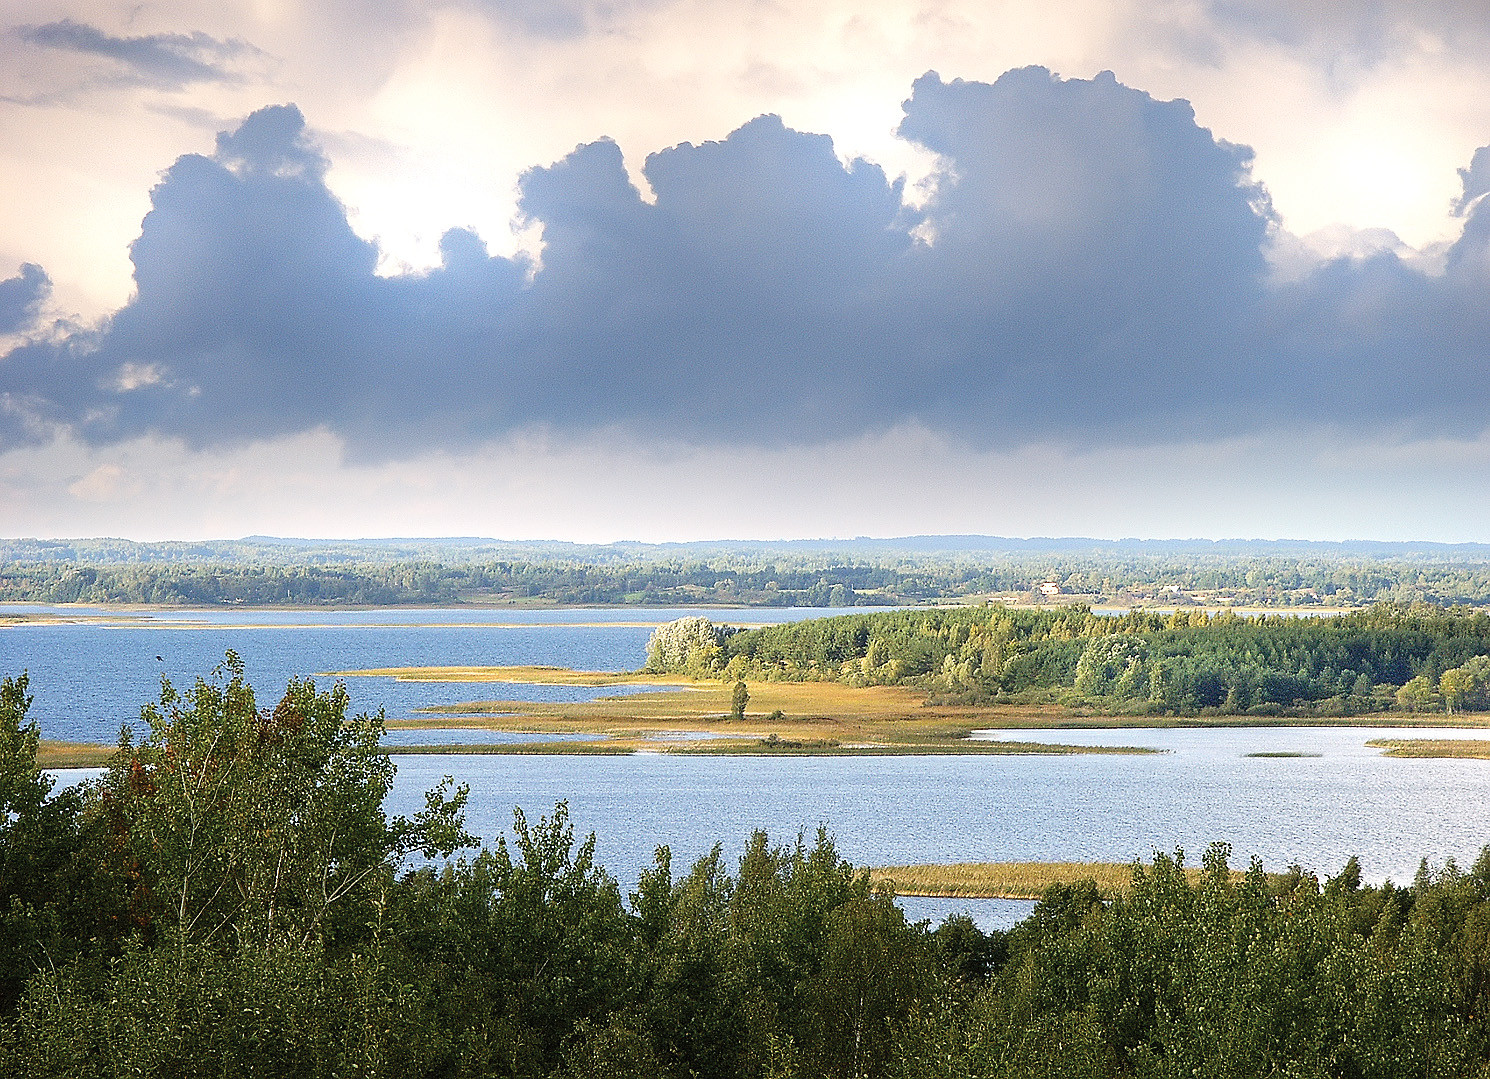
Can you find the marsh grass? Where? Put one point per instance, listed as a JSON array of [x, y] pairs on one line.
[[570, 749], [72, 754], [1281, 754], [868, 720], [1456, 748], [1008, 880], [763, 747]]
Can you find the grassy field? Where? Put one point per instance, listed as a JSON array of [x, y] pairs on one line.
[[1462, 748], [805, 718], [1007, 880]]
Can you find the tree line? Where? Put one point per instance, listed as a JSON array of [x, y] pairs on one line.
[[432, 584], [1418, 658], [231, 899], [268, 575]]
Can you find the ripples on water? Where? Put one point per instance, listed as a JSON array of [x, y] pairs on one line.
[[90, 677], [1313, 810]]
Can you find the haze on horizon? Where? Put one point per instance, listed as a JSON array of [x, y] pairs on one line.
[[670, 270]]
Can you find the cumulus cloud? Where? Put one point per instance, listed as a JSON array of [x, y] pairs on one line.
[[1090, 269], [1476, 180], [21, 298], [166, 61]]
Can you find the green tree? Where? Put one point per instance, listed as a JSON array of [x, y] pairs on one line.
[[690, 645], [237, 822], [737, 701], [874, 970], [1456, 684], [517, 954], [1469, 684], [1417, 694], [55, 904]]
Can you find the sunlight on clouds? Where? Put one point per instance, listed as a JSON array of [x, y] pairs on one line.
[[106, 483], [429, 113], [1388, 158], [464, 99], [133, 376]]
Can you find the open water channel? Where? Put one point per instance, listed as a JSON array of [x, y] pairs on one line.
[[1340, 798]]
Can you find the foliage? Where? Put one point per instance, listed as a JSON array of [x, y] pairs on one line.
[[1467, 686], [267, 572], [526, 960], [230, 819], [1183, 662], [688, 646], [739, 698], [54, 906]]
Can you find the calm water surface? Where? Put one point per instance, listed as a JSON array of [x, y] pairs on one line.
[[90, 677], [1313, 810]]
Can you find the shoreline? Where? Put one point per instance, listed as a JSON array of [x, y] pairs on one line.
[[692, 717], [1246, 611]]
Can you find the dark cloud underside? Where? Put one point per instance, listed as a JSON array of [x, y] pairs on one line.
[[1095, 273]]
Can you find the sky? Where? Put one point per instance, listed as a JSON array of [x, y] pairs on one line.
[[673, 270]]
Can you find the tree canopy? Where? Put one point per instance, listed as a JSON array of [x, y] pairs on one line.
[[1419, 657], [230, 899]]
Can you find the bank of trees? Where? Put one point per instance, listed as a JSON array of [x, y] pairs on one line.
[[230, 899], [1418, 657], [652, 584], [867, 573]]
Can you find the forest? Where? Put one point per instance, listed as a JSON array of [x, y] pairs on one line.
[[1415, 658], [913, 570], [230, 899]]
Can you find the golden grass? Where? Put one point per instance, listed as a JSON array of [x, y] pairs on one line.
[[822, 717], [489, 749], [827, 747], [72, 754], [1008, 880], [1460, 748], [814, 717]]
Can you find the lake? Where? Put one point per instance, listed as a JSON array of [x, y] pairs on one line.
[[1313, 810], [89, 677]]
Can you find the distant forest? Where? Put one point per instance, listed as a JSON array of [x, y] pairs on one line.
[[1419, 658], [912, 570]]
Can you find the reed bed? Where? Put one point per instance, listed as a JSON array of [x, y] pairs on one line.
[[1007, 880], [490, 749], [1458, 748], [72, 754]]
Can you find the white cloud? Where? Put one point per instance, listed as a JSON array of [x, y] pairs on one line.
[[133, 376], [1358, 121], [434, 109]]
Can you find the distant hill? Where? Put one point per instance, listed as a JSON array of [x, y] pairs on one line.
[[278, 550]]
